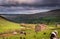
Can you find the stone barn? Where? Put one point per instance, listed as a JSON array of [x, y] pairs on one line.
[[40, 27], [57, 25]]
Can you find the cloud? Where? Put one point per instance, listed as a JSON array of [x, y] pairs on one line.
[[26, 1], [19, 1], [36, 2], [25, 10]]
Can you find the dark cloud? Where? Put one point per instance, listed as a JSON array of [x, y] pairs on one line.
[[37, 2]]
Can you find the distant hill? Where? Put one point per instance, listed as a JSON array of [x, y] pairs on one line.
[[28, 18]]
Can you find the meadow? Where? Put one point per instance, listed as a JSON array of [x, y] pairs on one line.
[[7, 28]]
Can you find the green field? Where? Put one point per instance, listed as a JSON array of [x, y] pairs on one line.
[[7, 27]]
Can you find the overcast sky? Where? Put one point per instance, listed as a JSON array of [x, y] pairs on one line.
[[32, 1], [27, 10]]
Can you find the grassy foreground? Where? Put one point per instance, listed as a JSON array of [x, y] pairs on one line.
[[6, 26]]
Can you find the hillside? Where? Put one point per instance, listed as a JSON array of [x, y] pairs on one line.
[[29, 18], [7, 25]]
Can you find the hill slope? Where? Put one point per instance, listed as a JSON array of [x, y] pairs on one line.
[[7, 25], [27, 18]]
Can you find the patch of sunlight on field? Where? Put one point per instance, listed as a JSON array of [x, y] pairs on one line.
[[7, 25]]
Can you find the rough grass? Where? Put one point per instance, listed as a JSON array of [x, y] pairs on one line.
[[6, 26], [32, 35]]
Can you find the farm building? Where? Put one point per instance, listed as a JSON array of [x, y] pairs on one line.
[[40, 27]]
